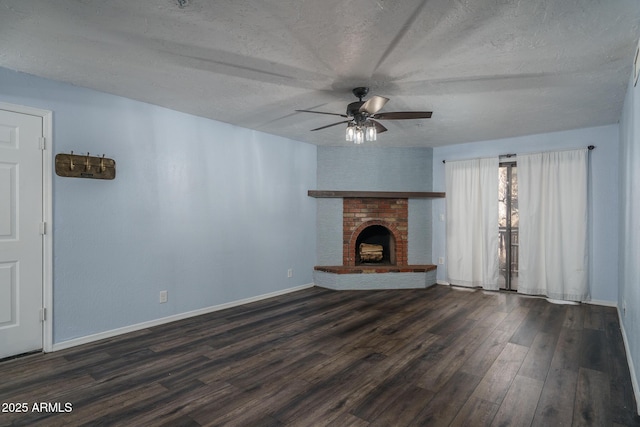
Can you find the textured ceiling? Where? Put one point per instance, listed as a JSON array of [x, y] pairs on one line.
[[486, 68]]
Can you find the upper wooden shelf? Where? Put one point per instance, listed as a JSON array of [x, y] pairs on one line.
[[375, 194]]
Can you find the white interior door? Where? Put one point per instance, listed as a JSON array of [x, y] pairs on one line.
[[21, 233]]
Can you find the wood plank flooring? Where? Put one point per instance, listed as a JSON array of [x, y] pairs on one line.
[[431, 357]]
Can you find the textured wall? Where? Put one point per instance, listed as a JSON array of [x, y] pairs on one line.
[[210, 212], [419, 247], [375, 281], [329, 232], [373, 169]]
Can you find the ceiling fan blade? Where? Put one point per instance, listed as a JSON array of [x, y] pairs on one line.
[[374, 104], [379, 127], [333, 124], [321, 112], [403, 115]]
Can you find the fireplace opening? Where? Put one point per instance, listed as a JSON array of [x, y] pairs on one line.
[[375, 245]]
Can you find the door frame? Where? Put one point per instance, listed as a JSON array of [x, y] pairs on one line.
[[47, 216]]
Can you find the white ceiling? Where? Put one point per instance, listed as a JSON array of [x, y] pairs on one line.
[[486, 68]]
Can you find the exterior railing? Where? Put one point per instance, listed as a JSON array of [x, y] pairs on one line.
[[503, 250]]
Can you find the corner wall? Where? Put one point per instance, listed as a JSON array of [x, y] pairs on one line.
[[629, 246], [210, 212], [365, 168]]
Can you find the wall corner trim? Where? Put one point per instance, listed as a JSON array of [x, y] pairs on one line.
[[180, 316]]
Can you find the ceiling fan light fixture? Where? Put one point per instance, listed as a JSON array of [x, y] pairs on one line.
[[350, 135], [371, 132], [359, 136]]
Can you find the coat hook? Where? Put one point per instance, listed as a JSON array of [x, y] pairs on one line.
[[72, 166], [87, 164]]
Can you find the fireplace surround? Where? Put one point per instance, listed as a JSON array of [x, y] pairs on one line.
[[377, 218]]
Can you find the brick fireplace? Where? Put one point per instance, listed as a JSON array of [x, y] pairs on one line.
[[379, 218]]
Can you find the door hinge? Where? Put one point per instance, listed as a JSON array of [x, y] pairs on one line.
[[43, 145], [43, 228], [43, 314]]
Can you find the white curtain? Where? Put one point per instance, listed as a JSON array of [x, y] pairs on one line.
[[552, 197], [472, 222]]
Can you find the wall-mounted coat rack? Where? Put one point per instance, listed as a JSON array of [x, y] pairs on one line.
[[85, 166]]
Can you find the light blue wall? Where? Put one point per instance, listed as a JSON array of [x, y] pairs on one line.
[[210, 212], [629, 284], [374, 169], [363, 168], [603, 205]]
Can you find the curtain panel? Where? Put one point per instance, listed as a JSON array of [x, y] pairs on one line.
[[472, 222], [552, 194]]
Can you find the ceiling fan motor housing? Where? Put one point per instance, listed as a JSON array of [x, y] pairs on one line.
[[360, 92], [353, 110]]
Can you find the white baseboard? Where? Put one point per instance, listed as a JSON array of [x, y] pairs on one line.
[[443, 282], [632, 370], [132, 328], [602, 302]]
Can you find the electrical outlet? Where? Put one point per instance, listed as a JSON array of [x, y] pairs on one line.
[[163, 297], [290, 272], [441, 260]]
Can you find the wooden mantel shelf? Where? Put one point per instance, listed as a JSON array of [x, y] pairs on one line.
[[375, 194], [372, 269]]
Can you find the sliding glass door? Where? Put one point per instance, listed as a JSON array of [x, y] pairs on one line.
[[508, 226]]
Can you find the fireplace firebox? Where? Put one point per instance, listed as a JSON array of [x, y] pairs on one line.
[[376, 245]]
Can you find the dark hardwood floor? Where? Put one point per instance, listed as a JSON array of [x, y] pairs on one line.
[[434, 357]]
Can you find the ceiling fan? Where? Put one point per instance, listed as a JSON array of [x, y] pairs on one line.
[[363, 115]]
